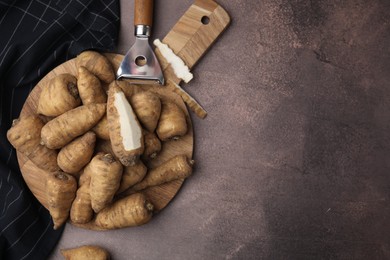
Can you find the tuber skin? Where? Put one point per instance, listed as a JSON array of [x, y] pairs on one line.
[[78, 153], [126, 136], [60, 95], [172, 123], [152, 146], [147, 107], [81, 211], [132, 175], [178, 167], [60, 193], [128, 89], [106, 174], [101, 129], [98, 64], [86, 253], [64, 128], [25, 137], [130, 211], [90, 88]]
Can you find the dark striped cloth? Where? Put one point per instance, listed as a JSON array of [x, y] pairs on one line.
[[36, 36]]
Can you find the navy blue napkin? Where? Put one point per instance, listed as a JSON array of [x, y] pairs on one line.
[[35, 37]]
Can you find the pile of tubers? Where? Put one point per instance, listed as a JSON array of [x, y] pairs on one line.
[[94, 135]]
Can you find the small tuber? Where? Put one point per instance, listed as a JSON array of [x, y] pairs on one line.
[[147, 107], [133, 210], [64, 128], [90, 88], [25, 137], [78, 153], [152, 146], [106, 174], [132, 175], [81, 211], [178, 167], [96, 63], [60, 95], [172, 123], [60, 193], [86, 253]]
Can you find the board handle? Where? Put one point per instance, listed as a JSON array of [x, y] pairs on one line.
[[195, 32], [143, 12]]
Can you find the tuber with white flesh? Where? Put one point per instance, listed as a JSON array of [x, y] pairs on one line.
[[126, 136]]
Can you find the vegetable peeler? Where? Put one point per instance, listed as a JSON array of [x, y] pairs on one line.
[[140, 62]]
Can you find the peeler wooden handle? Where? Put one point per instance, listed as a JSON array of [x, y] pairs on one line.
[[143, 12]]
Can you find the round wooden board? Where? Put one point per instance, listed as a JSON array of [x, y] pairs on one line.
[[161, 195]]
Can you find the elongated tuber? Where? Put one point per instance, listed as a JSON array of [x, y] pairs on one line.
[[152, 146], [147, 107], [64, 128], [90, 88], [25, 137], [81, 211], [96, 63], [106, 174], [126, 136], [60, 95], [133, 210], [132, 175], [172, 123], [86, 253], [78, 153], [60, 193], [178, 167]]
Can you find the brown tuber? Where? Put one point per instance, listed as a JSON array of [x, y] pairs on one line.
[[152, 146], [81, 211], [106, 174], [60, 95], [64, 128], [172, 123], [25, 137], [86, 253], [147, 107], [96, 63], [132, 175], [178, 167], [60, 193], [78, 153], [133, 210], [101, 129], [90, 88]]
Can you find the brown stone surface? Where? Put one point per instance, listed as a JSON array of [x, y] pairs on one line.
[[293, 159]]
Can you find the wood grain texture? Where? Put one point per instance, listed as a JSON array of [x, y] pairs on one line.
[[143, 12], [189, 39], [159, 196]]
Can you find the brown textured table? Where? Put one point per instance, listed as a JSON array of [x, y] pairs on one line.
[[293, 158]]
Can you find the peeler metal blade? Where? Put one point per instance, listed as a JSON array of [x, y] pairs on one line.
[[140, 63]]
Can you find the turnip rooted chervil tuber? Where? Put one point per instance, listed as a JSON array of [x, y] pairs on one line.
[[126, 136]]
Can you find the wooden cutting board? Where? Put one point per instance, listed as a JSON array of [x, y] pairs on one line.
[[190, 38]]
